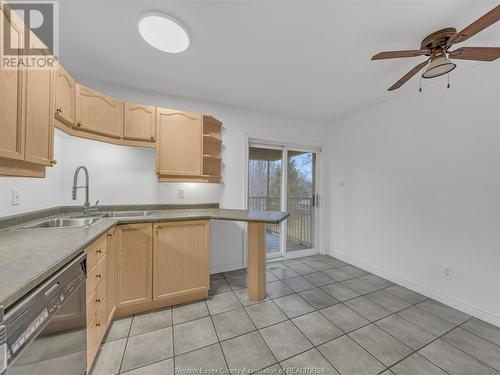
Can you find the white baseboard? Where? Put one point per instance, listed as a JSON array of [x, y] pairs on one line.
[[459, 305]]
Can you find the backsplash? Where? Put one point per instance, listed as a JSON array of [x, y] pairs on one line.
[[118, 175]]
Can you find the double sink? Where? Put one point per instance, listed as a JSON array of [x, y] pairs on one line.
[[83, 220]]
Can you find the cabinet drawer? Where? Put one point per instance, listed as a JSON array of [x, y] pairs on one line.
[[102, 269], [96, 275], [92, 342], [101, 322], [95, 333], [96, 251], [96, 299]]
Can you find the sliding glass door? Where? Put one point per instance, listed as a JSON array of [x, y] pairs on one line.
[[282, 178], [300, 199], [265, 171]]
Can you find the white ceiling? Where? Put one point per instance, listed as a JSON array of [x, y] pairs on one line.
[[308, 59]]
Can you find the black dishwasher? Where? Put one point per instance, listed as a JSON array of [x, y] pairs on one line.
[[46, 330]]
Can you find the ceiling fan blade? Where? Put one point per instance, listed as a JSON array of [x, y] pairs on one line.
[[480, 24], [407, 76], [398, 54], [475, 53]]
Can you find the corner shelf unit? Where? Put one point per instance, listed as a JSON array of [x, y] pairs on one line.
[[212, 148]]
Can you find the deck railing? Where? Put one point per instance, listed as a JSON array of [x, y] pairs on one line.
[[299, 222]]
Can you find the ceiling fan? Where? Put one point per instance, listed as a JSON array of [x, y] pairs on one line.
[[437, 45]]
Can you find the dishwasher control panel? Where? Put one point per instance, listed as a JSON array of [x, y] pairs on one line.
[[3, 350], [32, 328]]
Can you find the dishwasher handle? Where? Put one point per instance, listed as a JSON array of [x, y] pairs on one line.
[[52, 289]]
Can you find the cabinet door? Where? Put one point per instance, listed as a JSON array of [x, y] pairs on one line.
[[181, 258], [39, 116], [134, 264], [11, 102], [98, 113], [65, 97], [111, 276], [139, 122], [178, 143]]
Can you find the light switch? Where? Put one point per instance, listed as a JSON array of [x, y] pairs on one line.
[[16, 198], [181, 194]]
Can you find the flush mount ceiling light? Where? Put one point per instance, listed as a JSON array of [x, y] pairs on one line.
[[163, 32]]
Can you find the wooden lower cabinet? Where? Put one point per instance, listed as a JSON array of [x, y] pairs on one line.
[[111, 274], [92, 342], [96, 296], [181, 255], [142, 267], [134, 264]]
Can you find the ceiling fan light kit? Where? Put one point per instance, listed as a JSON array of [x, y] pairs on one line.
[[436, 46], [438, 66]]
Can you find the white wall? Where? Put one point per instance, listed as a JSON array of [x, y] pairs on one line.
[[422, 190], [35, 193], [228, 239], [121, 175]]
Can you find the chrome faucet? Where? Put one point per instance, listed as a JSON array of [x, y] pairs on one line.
[[86, 205]]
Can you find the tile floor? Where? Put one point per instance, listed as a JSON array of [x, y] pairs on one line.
[[321, 314]]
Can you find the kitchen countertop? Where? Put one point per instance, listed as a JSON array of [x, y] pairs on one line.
[[29, 256]]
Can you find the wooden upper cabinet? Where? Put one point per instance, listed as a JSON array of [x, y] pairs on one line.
[[11, 103], [139, 122], [181, 253], [65, 97], [134, 264], [178, 143], [39, 117], [26, 126], [98, 113]]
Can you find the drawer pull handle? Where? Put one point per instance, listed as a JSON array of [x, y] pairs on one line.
[[98, 251], [59, 110], [98, 324], [98, 300], [98, 276]]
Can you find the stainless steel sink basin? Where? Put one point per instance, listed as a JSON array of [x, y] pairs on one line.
[[62, 223]]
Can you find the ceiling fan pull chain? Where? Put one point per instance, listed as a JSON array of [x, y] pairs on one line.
[[448, 86], [420, 87]]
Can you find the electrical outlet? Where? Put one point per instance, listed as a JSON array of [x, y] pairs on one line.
[[447, 273], [341, 184], [16, 198], [181, 194]]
